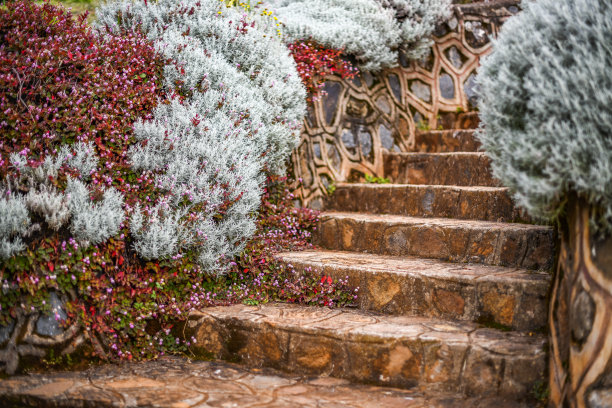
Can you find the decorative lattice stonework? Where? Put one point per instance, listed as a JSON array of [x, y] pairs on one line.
[[347, 130]]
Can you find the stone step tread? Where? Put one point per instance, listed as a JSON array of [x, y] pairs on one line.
[[403, 351], [444, 131], [447, 168], [435, 222], [408, 265], [423, 200], [180, 382], [491, 189], [510, 297], [467, 120], [493, 243], [450, 140], [362, 325], [414, 155]]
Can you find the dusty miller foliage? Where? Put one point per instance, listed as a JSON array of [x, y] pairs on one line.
[[371, 30], [90, 222], [242, 106], [546, 106], [418, 20]]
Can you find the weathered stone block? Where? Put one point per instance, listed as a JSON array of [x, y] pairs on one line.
[[514, 245], [387, 350], [457, 169], [420, 287]]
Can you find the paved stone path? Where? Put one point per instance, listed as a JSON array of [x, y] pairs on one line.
[[174, 382]]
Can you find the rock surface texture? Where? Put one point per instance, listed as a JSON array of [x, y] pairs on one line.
[[180, 383]]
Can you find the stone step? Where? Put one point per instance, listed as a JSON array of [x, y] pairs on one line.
[[467, 120], [492, 295], [439, 141], [455, 169], [461, 202], [458, 120], [504, 244], [399, 351], [178, 382]]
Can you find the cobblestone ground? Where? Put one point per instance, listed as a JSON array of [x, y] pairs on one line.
[[181, 383]]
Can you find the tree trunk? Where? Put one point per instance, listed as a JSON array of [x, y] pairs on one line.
[[580, 316]]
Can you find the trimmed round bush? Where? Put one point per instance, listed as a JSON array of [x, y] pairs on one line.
[[546, 106]]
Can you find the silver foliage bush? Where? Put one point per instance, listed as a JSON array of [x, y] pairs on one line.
[[31, 194], [14, 223], [546, 106], [371, 30], [241, 113], [252, 71], [50, 204], [418, 20], [93, 222]]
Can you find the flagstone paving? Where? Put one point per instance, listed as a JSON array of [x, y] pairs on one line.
[[174, 382]]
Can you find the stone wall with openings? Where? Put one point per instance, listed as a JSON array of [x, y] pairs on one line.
[[347, 131]]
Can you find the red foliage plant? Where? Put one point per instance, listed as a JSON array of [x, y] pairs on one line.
[[61, 82], [315, 62]]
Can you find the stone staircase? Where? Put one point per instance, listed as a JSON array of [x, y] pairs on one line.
[[453, 284]]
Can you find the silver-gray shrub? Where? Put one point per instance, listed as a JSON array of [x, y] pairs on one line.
[[252, 71], [14, 223], [241, 113], [93, 222], [546, 106], [201, 166], [371, 30], [30, 195], [418, 20]]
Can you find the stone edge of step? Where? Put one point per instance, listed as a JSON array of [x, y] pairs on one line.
[[431, 222]]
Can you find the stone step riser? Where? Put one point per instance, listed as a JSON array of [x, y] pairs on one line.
[[449, 169], [509, 298], [462, 120], [444, 141], [362, 348], [485, 204], [467, 120], [521, 246]]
